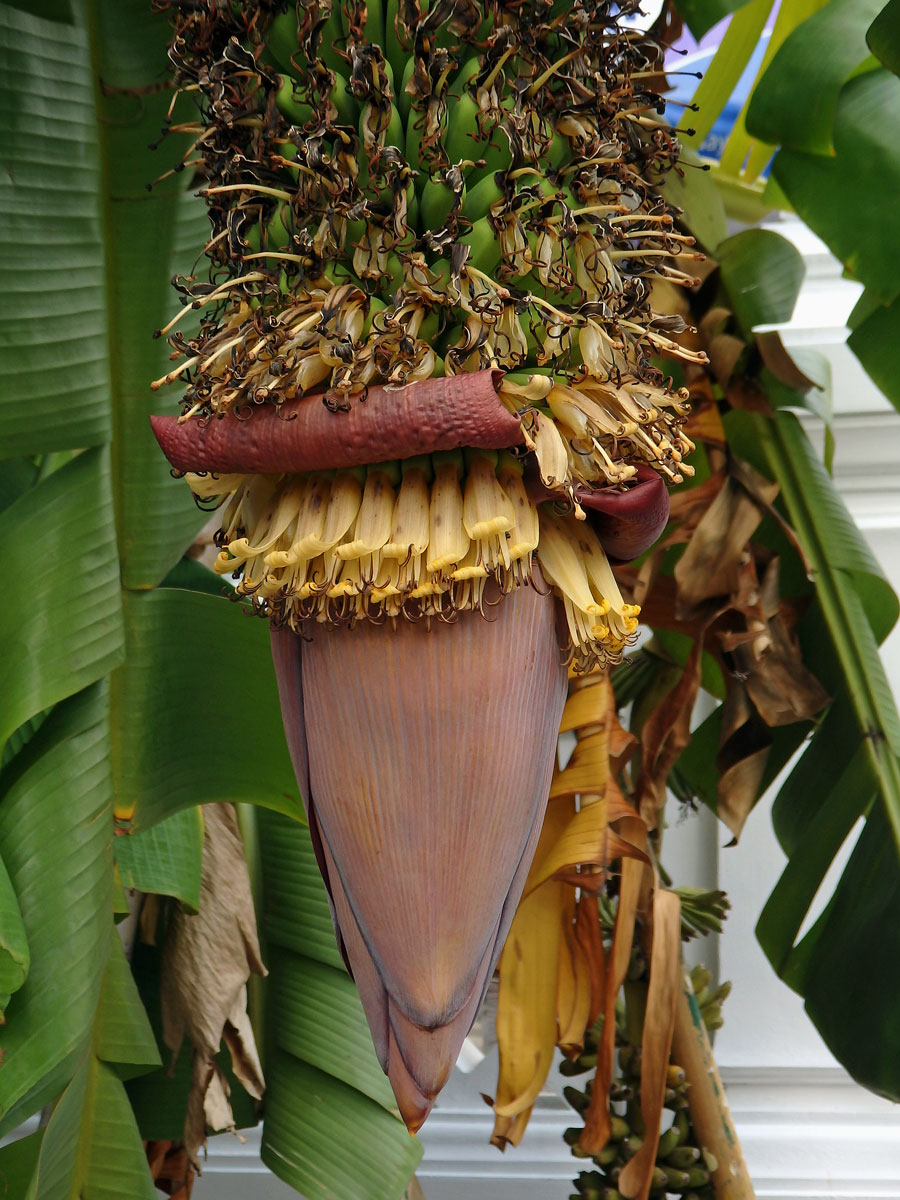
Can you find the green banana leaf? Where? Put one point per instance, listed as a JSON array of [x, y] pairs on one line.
[[373, 1161], [829, 45], [122, 1033], [851, 219], [762, 274], [130, 703], [60, 536], [166, 858], [883, 36], [206, 654], [91, 1145], [320, 1061], [744, 156], [701, 15], [56, 833], [872, 341], [15, 957], [17, 1162]]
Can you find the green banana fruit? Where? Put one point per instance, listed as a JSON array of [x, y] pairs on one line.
[[683, 1157], [299, 112], [438, 199]]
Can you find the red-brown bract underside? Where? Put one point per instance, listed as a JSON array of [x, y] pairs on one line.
[[395, 423]]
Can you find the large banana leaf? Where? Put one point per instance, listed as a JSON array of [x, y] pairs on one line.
[[851, 219], [91, 1144], [56, 833], [129, 704], [60, 537], [835, 38], [851, 769]]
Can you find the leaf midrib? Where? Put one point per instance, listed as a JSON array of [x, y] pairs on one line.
[[829, 590], [109, 265]]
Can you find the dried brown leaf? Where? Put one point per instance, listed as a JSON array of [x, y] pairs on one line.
[[765, 654], [590, 939], [741, 759], [170, 1168], [659, 605], [149, 918], [622, 744], [779, 684], [713, 322], [724, 350], [553, 978], [656, 1040], [665, 734], [596, 1130], [708, 569], [589, 702], [573, 988], [207, 958], [777, 358], [414, 1190], [738, 788], [637, 582], [527, 1003], [688, 508], [747, 394]]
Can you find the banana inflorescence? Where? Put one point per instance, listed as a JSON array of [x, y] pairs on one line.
[[428, 189]]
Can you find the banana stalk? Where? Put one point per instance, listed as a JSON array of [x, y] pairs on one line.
[[710, 1115]]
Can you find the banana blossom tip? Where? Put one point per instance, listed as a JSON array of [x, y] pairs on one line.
[[425, 800]]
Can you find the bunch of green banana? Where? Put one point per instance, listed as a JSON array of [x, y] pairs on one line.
[[428, 371], [702, 911], [709, 999], [523, 232], [680, 1169], [422, 188]]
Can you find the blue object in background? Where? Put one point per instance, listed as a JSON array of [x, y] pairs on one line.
[[684, 86]]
